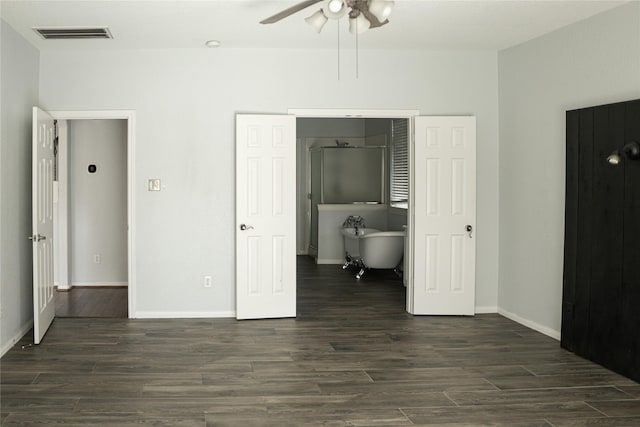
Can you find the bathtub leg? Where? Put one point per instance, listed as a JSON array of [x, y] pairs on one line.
[[347, 261], [360, 273]]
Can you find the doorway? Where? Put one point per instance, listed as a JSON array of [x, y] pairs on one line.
[[94, 246], [358, 163], [366, 128]]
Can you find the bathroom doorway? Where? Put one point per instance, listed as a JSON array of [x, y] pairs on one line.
[[368, 137], [352, 166]]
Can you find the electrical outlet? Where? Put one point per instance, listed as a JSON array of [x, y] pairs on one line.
[[207, 281], [97, 259]]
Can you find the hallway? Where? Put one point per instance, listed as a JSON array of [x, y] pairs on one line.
[[92, 302]]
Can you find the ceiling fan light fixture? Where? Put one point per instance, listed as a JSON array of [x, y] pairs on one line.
[[335, 6], [381, 9], [359, 24], [317, 20], [334, 9]]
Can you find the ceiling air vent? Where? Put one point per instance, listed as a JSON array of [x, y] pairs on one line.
[[67, 33]]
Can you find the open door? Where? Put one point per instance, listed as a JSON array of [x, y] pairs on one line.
[[265, 216], [42, 213], [443, 213]]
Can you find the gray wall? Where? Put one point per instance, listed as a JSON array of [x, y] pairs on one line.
[[98, 201], [375, 127], [19, 93], [185, 102], [322, 127], [593, 62]]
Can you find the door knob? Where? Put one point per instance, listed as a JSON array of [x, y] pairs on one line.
[[469, 229], [245, 227], [37, 237]]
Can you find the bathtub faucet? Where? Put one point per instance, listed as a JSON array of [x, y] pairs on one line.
[[354, 221]]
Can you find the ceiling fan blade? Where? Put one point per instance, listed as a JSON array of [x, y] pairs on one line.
[[373, 20], [290, 11]]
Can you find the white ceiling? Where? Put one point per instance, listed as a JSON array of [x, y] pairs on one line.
[[414, 24]]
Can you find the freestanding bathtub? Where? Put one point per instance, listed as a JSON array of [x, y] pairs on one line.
[[352, 244], [370, 248]]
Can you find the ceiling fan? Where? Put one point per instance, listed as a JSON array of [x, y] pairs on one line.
[[363, 14]]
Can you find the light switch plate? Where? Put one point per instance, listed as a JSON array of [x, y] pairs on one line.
[[154, 184]]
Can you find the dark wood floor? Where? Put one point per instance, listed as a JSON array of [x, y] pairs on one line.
[[353, 357], [92, 302]]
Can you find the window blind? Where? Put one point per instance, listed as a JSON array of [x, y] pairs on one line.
[[399, 162]]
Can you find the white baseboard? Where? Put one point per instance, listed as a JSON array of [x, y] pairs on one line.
[[530, 324], [337, 261], [486, 309], [97, 285], [17, 337], [182, 314]]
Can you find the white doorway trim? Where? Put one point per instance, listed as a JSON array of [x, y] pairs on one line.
[[353, 113], [129, 116]]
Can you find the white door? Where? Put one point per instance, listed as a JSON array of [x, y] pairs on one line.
[[42, 212], [444, 202], [265, 216]]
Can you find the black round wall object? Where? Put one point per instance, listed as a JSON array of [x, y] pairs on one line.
[[92, 168]]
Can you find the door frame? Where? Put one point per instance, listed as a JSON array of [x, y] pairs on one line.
[[130, 117], [380, 114]]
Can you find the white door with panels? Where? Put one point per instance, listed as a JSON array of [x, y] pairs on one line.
[[265, 216], [443, 214], [42, 218]]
